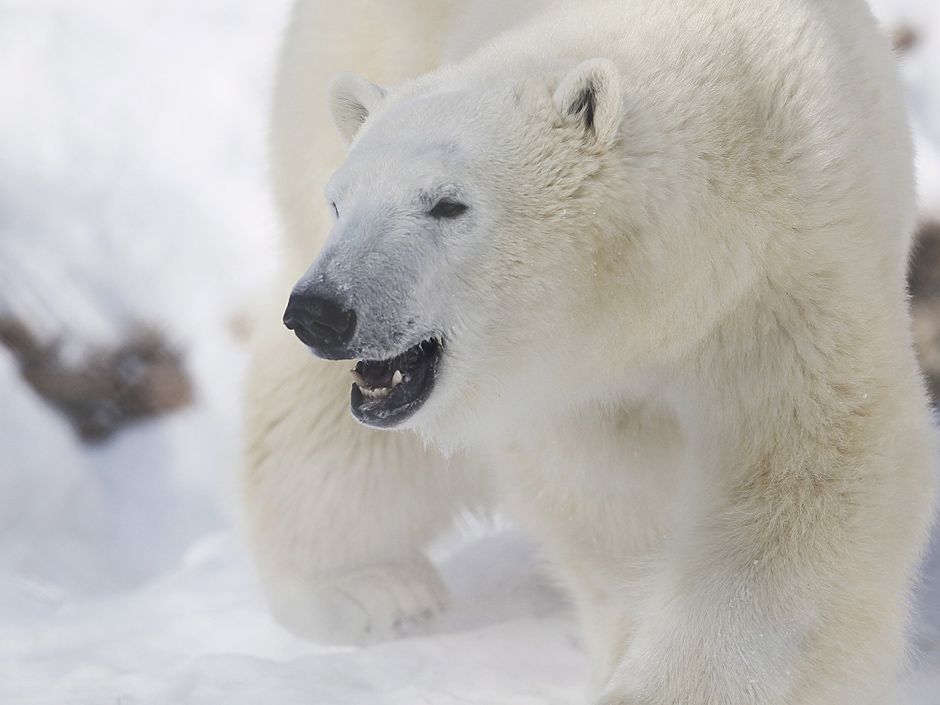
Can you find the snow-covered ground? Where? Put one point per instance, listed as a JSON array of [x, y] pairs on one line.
[[132, 187]]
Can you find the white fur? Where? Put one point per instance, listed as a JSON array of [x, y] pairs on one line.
[[677, 337]]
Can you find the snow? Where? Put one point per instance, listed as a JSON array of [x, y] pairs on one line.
[[199, 635], [132, 187]]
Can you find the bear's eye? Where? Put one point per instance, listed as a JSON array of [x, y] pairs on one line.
[[335, 209], [447, 208]]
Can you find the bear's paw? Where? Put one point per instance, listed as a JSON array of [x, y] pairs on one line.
[[368, 605]]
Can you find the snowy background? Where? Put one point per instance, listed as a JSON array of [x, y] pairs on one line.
[[132, 188]]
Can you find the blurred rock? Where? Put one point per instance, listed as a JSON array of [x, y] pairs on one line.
[[141, 378], [924, 282], [242, 325], [903, 38]]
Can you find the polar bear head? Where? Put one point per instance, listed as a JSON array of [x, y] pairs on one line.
[[467, 267]]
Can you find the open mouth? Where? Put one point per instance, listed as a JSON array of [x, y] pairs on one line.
[[386, 392]]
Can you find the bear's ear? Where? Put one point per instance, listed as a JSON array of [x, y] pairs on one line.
[[591, 95], [352, 99]]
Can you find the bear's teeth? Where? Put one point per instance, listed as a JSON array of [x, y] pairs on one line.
[[377, 393]]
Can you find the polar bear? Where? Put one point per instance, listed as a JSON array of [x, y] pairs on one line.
[[638, 271]]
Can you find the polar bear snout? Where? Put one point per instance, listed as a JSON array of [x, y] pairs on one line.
[[321, 321]]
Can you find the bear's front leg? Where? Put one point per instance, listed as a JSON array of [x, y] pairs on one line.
[[697, 649], [787, 586], [338, 516]]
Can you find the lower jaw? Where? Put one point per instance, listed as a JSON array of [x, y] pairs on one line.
[[382, 418]]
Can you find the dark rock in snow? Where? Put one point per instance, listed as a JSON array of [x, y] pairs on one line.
[[924, 282], [109, 388]]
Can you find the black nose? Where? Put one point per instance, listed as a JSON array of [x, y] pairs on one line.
[[321, 322]]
